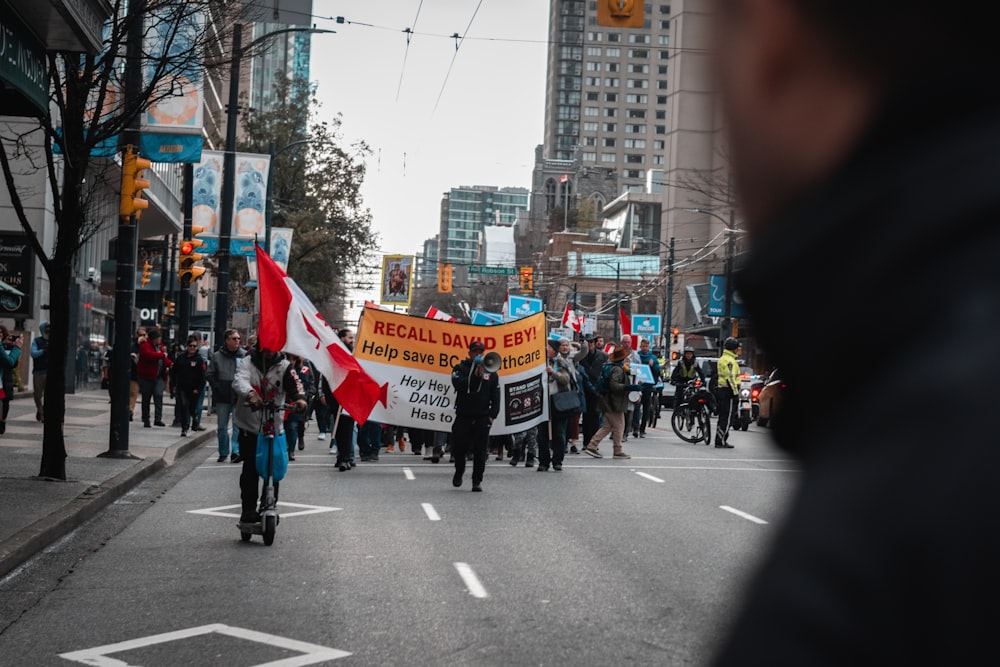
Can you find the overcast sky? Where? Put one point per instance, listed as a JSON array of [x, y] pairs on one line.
[[486, 125]]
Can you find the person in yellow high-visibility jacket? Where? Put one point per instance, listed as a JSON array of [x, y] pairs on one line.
[[728, 390]]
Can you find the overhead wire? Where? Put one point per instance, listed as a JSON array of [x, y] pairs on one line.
[[458, 44], [409, 36]]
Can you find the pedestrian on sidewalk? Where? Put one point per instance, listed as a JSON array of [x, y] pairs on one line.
[[133, 388], [10, 354], [206, 353], [151, 369], [613, 404], [39, 368], [344, 425], [221, 372], [188, 375], [477, 404]]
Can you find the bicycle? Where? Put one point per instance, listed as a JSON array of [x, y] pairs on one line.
[[691, 418]]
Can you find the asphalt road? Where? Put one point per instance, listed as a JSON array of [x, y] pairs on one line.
[[605, 563]]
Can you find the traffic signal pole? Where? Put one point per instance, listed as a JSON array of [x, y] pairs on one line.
[[127, 249], [184, 296]]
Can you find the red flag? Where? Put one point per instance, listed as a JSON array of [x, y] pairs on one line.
[[570, 319], [435, 314], [626, 322], [289, 322], [564, 178]]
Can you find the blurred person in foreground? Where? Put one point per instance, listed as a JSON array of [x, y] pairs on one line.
[[865, 141]]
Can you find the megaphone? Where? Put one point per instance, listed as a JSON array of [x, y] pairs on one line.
[[491, 362]]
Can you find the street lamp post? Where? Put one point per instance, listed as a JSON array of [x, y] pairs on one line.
[[268, 203], [669, 319], [729, 227], [229, 172]]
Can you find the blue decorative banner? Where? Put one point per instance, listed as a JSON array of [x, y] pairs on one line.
[[522, 306], [647, 325], [717, 299], [484, 318]]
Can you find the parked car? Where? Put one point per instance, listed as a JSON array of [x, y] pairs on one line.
[[769, 400]]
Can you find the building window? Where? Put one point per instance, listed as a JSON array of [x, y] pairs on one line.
[[610, 127], [665, 9], [661, 129], [638, 53], [663, 40], [608, 157], [657, 159], [611, 83], [614, 37], [661, 114], [590, 127], [590, 157], [636, 113], [590, 111], [590, 141], [635, 158], [635, 129], [611, 112], [611, 67], [594, 81], [635, 143], [634, 38], [593, 67], [610, 97], [595, 36], [662, 69], [637, 83], [592, 96], [609, 142], [594, 51], [637, 68], [664, 25], [659, 144], [633, 173], [664, 55], [613, 52], [661, 85]]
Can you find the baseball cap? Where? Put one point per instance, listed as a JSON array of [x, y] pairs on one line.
[[476, 345]]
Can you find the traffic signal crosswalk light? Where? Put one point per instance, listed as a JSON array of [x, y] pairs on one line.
[[147, 270], [133, 184], [526, 281], [444, 278], [187, 271], [169, 308], [621, 13]]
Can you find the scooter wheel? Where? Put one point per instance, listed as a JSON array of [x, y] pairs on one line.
[[245, 536], [270, 523]]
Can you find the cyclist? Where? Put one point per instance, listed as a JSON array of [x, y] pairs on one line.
[[686, 370]]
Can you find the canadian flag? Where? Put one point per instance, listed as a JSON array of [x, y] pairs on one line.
[[571, 319], [625, 321], [435, 314], [564, 178], [289, 322]]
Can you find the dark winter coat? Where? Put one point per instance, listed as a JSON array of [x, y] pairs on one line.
[[475, 396], [889, 553], [188, 373]]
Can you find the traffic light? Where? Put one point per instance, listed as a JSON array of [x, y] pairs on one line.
[[168, 308], [187, 272], [621, 13], [147, 270], [675, 355], [527, 279], [133, 184], [444, 278], [676, 332]]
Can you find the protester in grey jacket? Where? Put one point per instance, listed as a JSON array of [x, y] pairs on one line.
[[221, 373]]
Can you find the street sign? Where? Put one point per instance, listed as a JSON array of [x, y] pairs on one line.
[[493, 270], [521, 306]]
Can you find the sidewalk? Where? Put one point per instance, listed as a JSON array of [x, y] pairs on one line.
[[37, 512]]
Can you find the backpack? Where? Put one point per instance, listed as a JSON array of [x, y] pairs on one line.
[[604, 382]]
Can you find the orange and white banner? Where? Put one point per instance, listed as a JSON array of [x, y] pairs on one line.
[[415, 356]]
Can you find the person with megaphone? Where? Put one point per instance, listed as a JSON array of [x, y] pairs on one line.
[[477, 404]]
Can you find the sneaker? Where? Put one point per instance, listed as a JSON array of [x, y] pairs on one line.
[[321, 436], [529, 462], [557, 467], [724, 445], [390, 448], [199, 427], [635, 434], [402, 445], [353, 464], [621, 455], [291, 455], [592, 452], [221, 459], [236, 458], [146, 424], [477, 488], [435, 459], [184, 433], [642, 434], [250, 517], [573, 449], [159, 423], [542, 469], [365, 459], [457, 479], [302, 445]]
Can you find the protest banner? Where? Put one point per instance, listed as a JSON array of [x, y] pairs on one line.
[[415, 356]]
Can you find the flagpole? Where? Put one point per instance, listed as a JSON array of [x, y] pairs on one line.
[[566, 205]]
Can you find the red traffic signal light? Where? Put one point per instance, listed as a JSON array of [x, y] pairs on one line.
[[187, 271]]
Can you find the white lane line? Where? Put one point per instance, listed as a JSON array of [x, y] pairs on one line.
[[650, 477], [748, 517], [476, 589], [408, 473], [430, 512]]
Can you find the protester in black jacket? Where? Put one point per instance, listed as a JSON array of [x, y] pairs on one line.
[[477, 404], [188, 376], [868, 168]]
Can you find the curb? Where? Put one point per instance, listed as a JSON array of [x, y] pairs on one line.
[[39, 535]]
